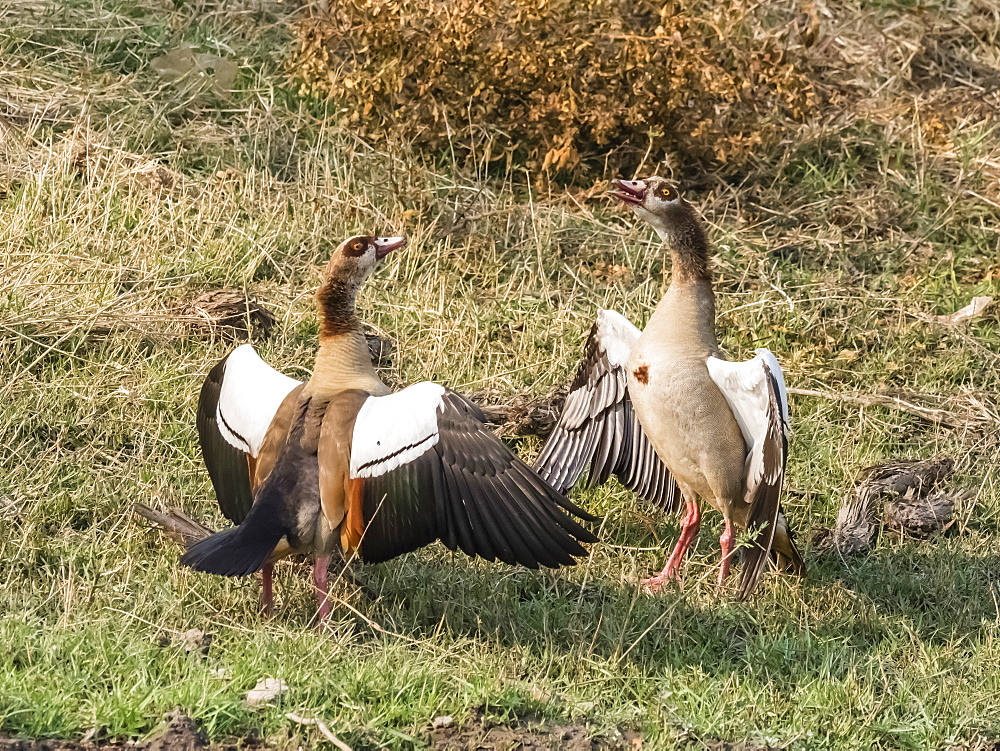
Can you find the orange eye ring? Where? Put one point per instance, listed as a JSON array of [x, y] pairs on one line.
[[358, 246]]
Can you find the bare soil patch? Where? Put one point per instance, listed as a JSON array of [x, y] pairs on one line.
[[483, 735], [180, 734]]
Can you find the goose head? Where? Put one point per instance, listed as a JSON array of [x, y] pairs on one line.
[[357, 257], [657, 201], [351, 263]]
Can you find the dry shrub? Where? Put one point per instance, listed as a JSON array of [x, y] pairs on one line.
[[558, 85], [561, 86]]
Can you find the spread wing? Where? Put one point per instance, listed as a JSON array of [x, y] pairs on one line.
[[429, 469], [238, 400], [598, 431], [755, 391]]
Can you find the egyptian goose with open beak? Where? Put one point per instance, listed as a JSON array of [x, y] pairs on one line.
[[340, 465], [663, 409]]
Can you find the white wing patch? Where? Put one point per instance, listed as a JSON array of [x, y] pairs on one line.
[[745, 386], [393, 430], [617, 336], [251, 393]]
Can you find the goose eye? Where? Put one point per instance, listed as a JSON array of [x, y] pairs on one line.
[[667, 193], [358, 246]]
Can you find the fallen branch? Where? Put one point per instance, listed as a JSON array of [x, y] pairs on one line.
[[228, 314], [895, 495], [939, 416], [521, 414], [178, 526]]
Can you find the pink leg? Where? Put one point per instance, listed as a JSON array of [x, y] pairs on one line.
[[267, 590], [320, 570], [689, 533], [726, 541]]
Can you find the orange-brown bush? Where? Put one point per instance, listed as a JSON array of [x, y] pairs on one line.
[[558, 85]]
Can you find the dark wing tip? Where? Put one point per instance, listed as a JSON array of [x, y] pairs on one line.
[[754, 564], [472, 493], [228, 466], [765, 505], [525, 517], [224, 554], [567, 505], [781, 549]]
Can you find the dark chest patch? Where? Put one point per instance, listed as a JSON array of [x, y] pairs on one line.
[[642, 374]]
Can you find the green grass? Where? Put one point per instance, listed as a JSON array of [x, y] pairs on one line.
[[833, 253]]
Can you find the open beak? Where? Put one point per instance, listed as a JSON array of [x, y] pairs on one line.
[[385, 245], [629, 191]]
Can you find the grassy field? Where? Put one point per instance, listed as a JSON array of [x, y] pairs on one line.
[[123, 196]]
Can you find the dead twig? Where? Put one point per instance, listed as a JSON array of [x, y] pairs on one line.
[[177, 525], [932, 414], [321, 726]]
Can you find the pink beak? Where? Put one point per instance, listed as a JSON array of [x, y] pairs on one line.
[[385, 245], [629, 191]]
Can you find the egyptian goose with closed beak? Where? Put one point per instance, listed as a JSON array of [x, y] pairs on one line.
[[664, 410], [339, 465]]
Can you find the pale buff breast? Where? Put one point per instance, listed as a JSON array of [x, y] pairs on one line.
[[688, 421]]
